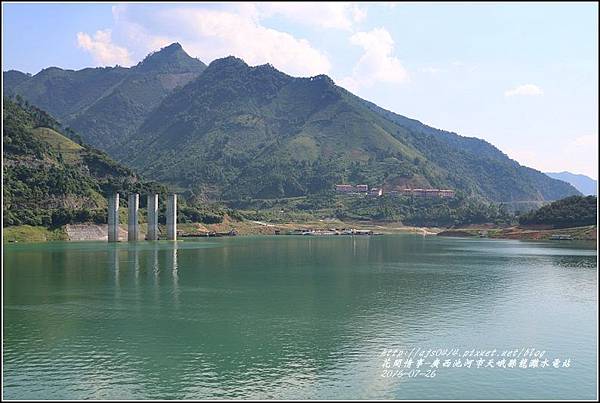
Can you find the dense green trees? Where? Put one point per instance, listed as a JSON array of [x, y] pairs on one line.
[[457, 211], [49, 180], [572, 211], [415, 211]]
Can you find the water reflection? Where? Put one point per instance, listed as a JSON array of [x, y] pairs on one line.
[[288, 317], [146, 261], [134, 261], [172, 265], [113, 260], [155, 267]]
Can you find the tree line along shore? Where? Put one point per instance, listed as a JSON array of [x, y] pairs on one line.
[[229, 226]]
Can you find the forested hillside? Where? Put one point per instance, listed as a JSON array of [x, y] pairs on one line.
[[234, 132], [49, 179], [106, 104], [572, 211], [253, 132]]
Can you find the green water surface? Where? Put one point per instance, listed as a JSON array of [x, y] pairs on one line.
[[295, 317]]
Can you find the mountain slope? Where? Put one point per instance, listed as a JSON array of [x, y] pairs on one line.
[[574, 211], [583, 183], [47, 175], [11, 79], [106, 104], [477, 165], [239, 131], [235, 131]]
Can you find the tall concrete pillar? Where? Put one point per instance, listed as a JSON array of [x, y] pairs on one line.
[[113, 218], [172, 217], [152, 234], [133, 228]]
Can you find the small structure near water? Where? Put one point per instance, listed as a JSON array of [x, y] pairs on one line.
[[172, 217], [152, 234], [133, 221], [133, 226], [378, 191], [335, 231], [561, 237], [113, 218]]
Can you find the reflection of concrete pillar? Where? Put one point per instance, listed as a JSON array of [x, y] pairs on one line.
[[133, 225], [172, 217], [113, 218], [152, 234], [134, 261], [155, 266], [173, 264], [113, 260]]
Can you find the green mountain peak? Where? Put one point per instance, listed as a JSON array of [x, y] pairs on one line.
[[170, 59]]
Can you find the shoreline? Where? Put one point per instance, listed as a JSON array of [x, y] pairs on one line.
[[584, 233], [98, 232]]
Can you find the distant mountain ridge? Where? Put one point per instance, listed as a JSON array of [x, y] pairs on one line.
[[106, 104], [256, 132], [235, 131], [583, 183]]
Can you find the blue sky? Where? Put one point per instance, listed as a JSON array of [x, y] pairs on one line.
[[523, 76]]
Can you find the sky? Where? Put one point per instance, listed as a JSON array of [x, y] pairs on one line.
[[523, 76]]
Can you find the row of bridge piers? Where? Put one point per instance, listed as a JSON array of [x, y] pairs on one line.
[[133, 226]]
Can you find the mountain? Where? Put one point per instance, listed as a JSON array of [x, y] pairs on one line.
[[231, 131], [106, 104], [11, 79], [574, 211], [50, 179], [238, 132], [584, 184]]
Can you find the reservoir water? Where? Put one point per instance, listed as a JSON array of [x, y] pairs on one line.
[[294, 317]]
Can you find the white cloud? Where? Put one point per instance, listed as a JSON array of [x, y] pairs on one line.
[[212, 34], [339, 15], [102, 49], [135, 34], [377, 64], [358, 14], [525, 89]]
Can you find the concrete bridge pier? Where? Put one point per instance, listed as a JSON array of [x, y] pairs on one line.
[[113, 218], [133, 228], [172, 217], [152, 234]]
